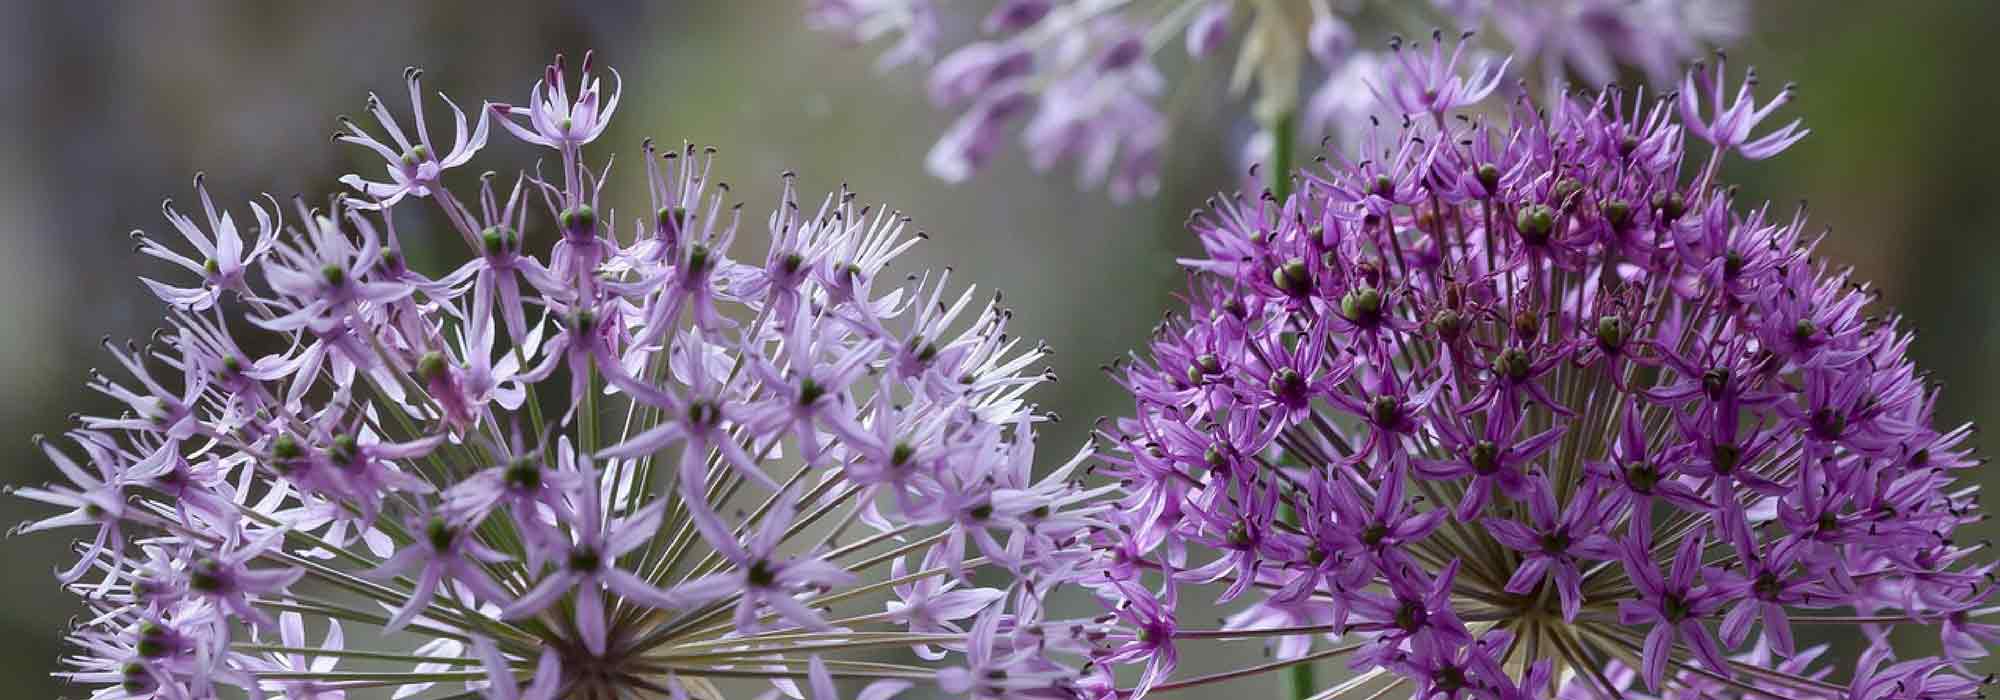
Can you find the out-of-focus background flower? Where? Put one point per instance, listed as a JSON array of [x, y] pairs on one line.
[[111, 107]]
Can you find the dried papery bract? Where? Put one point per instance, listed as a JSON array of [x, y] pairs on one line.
[[631, 466], [1527, 407]]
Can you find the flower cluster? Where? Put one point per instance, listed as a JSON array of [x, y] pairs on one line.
[[1084, 74], [1517, 408], [630, 466]]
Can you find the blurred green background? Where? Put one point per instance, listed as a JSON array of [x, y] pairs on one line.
[[110, 107]]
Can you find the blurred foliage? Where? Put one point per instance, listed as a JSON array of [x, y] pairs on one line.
[[113, 106]]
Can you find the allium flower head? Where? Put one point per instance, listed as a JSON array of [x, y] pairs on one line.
[[1081, 79], [629, 466], [1531, 407]]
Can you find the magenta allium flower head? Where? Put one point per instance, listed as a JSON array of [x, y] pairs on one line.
[[1529, 407], [1080, 80], [625, 467]]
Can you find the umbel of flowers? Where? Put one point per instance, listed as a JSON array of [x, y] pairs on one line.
[[631, 467], [1522, 404], [1084, 80]]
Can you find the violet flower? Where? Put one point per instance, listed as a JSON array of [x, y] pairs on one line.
[[1672, 435], [414, 165], [224, 257], [1729, 127]]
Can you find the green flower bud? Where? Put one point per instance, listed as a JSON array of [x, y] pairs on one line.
[[1674, 608], [1362, 305], [585, 558], [205, 575], [697, 259], [1287, 382], [431, 366], [1292, 277], [1215, 458], [345, 449], [1641, 477], [499, 239], [1385, 410], [1556, 542], [1618, 213], [1485, 457], [1411, 616], [1239, 535], [439, 533], [1489, 176], [1767, 587], [1513, 363], [134, 679], [671, 218], [1527, 324], [335, 274], [1449, 324], [1375, 535], [1208, 363], [1671, 205], [1803, 332], [153, 640], [524, 473], [578, 219], [1611, 333], [1535, 222], [760, 575], [1715, 381], [1564, 191], [286, 447], [810, 391], [1725, 457]]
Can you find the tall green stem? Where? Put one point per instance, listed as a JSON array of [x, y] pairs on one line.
[[1283, 132], [1299, 683]]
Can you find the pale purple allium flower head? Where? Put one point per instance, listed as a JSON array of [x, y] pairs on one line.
[[602, 458], [1529, 407], [1082, 80]]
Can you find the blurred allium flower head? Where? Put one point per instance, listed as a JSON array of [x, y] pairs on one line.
[[1530, 407], [600, 458], [1082, 80]]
